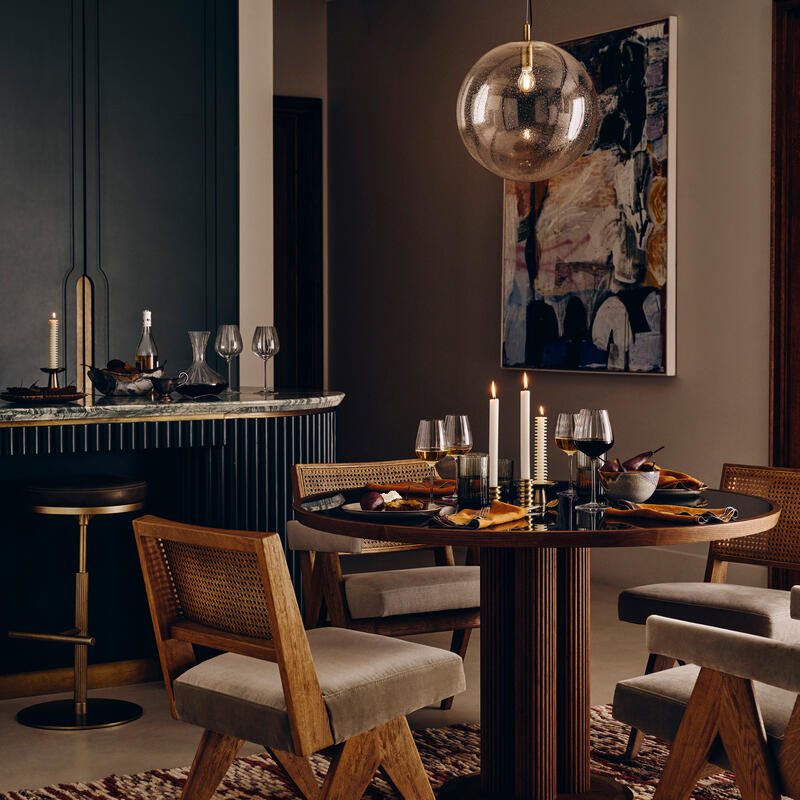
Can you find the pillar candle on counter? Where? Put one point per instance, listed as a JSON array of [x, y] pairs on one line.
[[494, 434], [524, 430], [53, 341], [540, 447]]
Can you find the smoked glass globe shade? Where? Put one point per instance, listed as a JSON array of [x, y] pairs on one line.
[[527, 110]]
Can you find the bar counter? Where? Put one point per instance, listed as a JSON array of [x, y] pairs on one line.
[[219, 462]]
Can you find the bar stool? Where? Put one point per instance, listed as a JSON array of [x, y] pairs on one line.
[[82, 497]]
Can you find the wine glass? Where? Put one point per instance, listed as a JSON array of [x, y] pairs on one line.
[[228, 345], [593, 437], [458, 434], [265, 346], [565, 441], [431, 446]]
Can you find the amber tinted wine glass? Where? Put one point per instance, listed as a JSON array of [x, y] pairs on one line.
[[565, 441]]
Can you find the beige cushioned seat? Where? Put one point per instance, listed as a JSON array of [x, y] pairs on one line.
[[655, 703], [748, 609], [366, 680], [412, 591]]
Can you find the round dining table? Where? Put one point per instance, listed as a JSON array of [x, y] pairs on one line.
[[535, 631]]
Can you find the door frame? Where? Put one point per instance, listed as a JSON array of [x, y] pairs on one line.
[[785, 236]]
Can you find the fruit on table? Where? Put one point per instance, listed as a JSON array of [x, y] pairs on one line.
[[371, 501], [638, 461], [642, 462]]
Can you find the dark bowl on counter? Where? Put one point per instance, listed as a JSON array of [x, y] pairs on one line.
[[195, 390]]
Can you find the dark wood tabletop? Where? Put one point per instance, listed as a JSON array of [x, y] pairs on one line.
[[562, 528]]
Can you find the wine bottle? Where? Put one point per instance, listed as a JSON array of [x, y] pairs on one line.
[[147, 352]]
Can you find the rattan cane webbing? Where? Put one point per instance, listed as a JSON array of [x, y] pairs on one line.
[[779, 546], [316, 479], [219, 588]]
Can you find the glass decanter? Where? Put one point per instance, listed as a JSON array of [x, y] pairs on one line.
[[200, 379]]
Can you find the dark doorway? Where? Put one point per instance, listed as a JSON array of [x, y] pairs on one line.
[[785, 291], [298, 242]]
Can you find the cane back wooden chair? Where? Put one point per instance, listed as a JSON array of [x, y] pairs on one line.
[[398, 602], [734, 705], [294, 692], [748, 609]]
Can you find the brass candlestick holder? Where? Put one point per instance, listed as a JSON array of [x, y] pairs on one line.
[[53, 373], [494, 493], [524, 493]]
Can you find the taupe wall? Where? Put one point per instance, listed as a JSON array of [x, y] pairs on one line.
[[255, 179], [415, 237], [301, 70]]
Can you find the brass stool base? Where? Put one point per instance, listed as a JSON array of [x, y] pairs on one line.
[[59, 715]]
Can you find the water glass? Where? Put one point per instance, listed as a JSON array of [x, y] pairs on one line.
[[265, 345], [228, 345], [473, 480]]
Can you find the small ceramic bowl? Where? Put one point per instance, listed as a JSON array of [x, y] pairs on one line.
[[637, 487]]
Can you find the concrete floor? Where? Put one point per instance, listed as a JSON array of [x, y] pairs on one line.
[[32, 758]]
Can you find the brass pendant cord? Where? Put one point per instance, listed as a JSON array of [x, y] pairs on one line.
[[526, 28]]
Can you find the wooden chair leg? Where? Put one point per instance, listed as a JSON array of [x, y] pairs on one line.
[[352, 768], [655, 663], [401, 762], [788, 759], [211, 761], [298, 771], [458, 645], [745, 741], [693, 741], [313, 595]]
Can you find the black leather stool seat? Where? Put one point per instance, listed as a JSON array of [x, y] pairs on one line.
[[87, 491]]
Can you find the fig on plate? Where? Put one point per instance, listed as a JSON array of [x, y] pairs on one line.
[[371, 501]]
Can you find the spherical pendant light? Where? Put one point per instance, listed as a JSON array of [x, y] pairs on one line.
[[526, 110]]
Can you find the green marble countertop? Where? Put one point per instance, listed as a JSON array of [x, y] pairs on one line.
[[246, 403]]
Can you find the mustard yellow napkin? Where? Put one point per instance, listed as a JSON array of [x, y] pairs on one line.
[[672, 479], [499, 514], [668, 513]]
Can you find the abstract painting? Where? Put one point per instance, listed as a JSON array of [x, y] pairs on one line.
[[589, 255]]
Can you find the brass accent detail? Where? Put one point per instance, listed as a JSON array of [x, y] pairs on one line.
[[90, 511], [79, 713], [525, 493], [494, 493], [84, 333], [526, 32], [64, 638]]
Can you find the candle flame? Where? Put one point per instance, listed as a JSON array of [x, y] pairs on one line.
[[525, 380], [53, 315], [541, 410], [494, 390]]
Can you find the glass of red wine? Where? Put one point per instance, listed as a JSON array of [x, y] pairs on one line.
[[594, 438]]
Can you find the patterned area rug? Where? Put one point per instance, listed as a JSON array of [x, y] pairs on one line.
[[446, 752]]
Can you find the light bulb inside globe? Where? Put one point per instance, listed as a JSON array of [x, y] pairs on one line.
[[526, 110], [526, 82]]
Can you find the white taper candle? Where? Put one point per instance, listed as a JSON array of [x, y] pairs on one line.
[[494, 434], [525, 430]]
